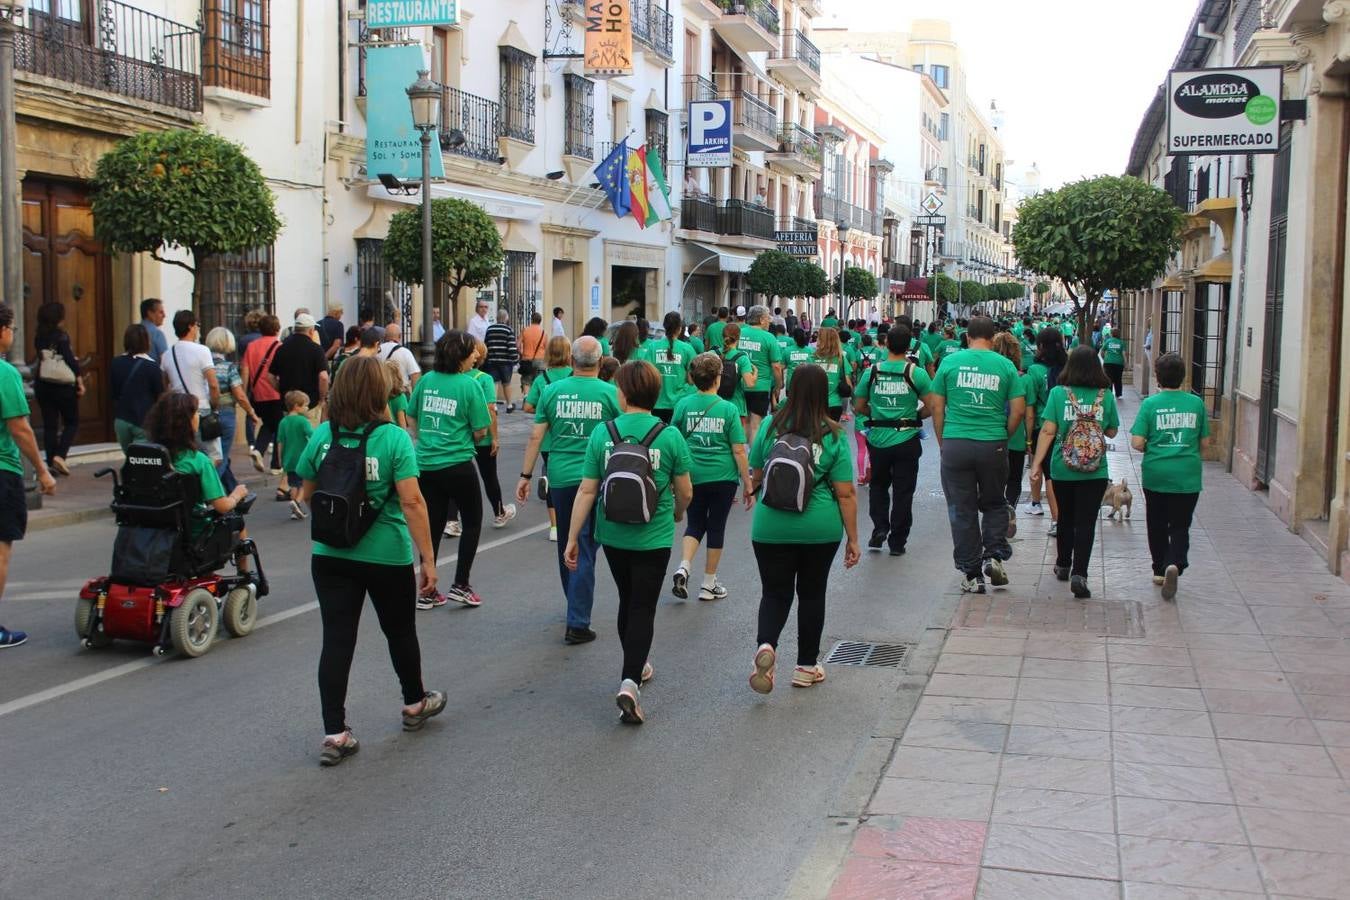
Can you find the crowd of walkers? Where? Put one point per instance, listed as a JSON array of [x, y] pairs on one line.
[[639, 433]]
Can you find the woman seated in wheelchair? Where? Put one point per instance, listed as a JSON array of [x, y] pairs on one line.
[[173, 423]]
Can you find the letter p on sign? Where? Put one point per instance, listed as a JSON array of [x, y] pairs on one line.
[[710, 133]]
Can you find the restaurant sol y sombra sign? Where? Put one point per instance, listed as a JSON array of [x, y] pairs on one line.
[[1213, 111], [609, 38]]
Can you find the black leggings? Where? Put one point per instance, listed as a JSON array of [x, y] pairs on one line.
[[1116, 373], [639, 575], [548, 495], [455, 488], [60, 407], [342, 586], [1169, 528], [487, 468], [785, 569], [271, 412], [708, 512], [1080, 504], [1017, 464]]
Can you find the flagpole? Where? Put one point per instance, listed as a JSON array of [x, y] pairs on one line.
[[591, 171]]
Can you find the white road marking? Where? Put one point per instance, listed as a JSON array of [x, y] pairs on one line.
[[52, 693]]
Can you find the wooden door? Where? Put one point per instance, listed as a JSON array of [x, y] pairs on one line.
[[63, 263]]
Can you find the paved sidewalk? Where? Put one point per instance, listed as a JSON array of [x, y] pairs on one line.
[[1127, 746]]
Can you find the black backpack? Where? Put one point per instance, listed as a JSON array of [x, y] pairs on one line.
[[628, 490], [789, 474], [341, 511], [731, 376], [871, 387]]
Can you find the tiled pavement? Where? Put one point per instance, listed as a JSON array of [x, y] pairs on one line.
[[1130, 747]]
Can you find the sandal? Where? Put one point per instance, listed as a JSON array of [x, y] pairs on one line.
[[282, 496], [335, 750], [432, 704]]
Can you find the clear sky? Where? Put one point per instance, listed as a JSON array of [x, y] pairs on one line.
[[1073, 77]]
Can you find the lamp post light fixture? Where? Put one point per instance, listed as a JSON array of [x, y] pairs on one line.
[[842, 225], [425, 97]]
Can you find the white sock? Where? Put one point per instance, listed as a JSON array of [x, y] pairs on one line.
[[685, 565], [709, 579]]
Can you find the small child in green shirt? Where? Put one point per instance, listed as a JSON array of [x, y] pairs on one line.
[[398, 397], [292, 437]]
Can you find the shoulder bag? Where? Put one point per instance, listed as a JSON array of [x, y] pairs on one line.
[[208, 424], [53, 368]]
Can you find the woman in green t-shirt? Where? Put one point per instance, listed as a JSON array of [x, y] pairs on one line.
[[380, 565], [1010, 347], [486, 447], [1171, 429], [450, 413], [731, 337], [1043, 374], [712, 428], [830, 357], [795, 550], [1083, 388], [596, 328], [173, 424], [638, 554], [671, 356]]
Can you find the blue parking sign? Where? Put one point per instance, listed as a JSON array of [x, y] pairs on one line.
[[709, 134]]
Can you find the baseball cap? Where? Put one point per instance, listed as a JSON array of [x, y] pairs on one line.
[[305, 320], [740, 310]]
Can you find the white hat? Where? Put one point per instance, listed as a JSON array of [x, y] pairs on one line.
[[304, 321], [740, 311]]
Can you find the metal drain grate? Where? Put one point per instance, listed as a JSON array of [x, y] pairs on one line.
[[864, 653]]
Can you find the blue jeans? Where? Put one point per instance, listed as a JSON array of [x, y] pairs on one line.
[[578, 586], [227, 424]]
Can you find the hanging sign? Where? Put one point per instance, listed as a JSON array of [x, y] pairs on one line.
[[393, 143], [411, 13], [1216, 111], [709, 135], [609, 38]]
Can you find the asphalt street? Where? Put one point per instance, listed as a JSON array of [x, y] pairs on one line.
[[130, 776]]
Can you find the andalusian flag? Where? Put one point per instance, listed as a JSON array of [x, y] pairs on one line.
[[658, 195], [637, 184]]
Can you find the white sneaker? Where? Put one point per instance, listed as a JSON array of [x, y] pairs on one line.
[[298, 511], [648, 672], [508, 513], [761, 677], [629, 700], [718, 591], [1169, 586], [257, 460], [1036, 509], [973, 585], [453, 528], [680, 583], [553, 533]]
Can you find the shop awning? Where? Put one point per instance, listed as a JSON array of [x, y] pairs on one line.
[[727, 260], [914, 289]]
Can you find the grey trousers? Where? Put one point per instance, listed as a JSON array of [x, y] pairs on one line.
[[975, 480]]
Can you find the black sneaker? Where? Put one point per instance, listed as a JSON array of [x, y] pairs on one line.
[[897, 551], [578, 635], [1080, 588], [877, 540], [973, 584], [1061, 573]]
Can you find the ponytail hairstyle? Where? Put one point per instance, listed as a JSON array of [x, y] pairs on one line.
[[674, 327]]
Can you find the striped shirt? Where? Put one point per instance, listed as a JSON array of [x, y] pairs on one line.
[[501, 344]]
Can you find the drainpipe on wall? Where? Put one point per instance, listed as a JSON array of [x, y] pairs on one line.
[[1239, 336]]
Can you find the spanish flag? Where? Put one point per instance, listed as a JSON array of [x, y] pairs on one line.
[[637, 184]]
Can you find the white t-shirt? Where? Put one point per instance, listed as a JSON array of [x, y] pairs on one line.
[[558, 328], [195, 361], [400, 354], [478, 327]]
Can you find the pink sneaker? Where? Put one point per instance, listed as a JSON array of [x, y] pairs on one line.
[[464, 595]]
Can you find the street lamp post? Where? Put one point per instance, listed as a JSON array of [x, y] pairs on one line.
[[843, 235], [11, 236], [425, 97]]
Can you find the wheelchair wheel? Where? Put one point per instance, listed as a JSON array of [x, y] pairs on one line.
[[193, 625], [240, 612], [84, 612]]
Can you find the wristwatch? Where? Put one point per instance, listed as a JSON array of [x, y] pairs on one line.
[[527, 475]]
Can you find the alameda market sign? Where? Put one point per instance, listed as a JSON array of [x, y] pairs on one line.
[[411, 13], [1224, 110]]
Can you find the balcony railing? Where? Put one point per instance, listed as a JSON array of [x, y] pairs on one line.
[[236, 47], [696, 87], [752, 112], [796, 139], [799, 224], [741, 217], [797, 46], [654, 27], [762, 11], [137, 54], [477, 118], [699, 214], [832, 209]]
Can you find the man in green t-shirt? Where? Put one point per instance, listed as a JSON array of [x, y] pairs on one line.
[[888, 395], [1171, 429], [714, 341], [1113, 359], [978, 399], [569, 410], [16, 440]]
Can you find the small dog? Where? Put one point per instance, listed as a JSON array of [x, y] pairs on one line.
[[1118, 496]]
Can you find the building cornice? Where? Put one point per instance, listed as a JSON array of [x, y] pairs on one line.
[[49, 100]]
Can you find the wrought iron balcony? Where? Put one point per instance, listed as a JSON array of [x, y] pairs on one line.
[[654, 28], [798, 151], [756, 123], [699, 214], [696, 87], [742, 217], [478, 119], [797, 62], [749, 26], [128, 51], [764, 13]]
